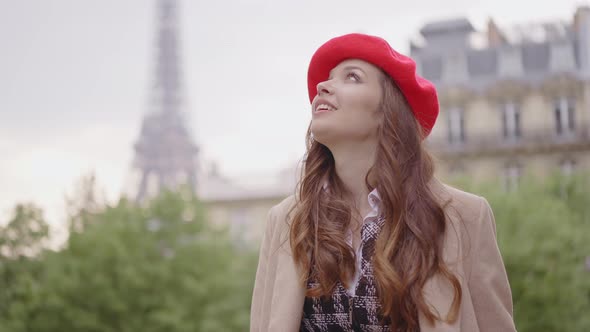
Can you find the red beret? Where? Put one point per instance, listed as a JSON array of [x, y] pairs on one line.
[[419, 92]]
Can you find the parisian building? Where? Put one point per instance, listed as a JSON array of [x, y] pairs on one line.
[[515, 101]]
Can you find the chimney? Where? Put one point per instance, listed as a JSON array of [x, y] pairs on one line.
[[495, 36]]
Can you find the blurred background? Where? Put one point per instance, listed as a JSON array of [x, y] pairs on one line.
[[143, 143]]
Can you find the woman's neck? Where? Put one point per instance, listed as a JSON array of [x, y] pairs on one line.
[[352, 166]]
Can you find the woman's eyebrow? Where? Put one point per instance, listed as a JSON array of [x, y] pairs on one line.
[[349, 67]]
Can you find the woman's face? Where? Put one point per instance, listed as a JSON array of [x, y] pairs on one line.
[[346, 106]]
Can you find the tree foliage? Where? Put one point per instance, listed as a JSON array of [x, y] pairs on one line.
[[543, 231], [155, 268], [163, 267]]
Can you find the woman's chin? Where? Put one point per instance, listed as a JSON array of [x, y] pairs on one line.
[[321, 132]]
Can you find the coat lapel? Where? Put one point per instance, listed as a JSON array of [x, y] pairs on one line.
[[288, 294], [438, 292]]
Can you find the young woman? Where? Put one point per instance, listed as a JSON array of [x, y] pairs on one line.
[[372, 241]]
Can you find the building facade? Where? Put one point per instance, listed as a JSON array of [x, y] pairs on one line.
[[243, 208], [514, 101]]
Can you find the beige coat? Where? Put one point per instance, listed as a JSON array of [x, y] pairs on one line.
[[470, 250]]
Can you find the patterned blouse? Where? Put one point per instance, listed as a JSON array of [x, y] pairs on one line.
[[345, 310]]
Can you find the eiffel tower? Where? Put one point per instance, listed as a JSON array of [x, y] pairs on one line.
[[165, 154]]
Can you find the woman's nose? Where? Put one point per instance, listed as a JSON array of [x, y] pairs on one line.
[[324, 88]]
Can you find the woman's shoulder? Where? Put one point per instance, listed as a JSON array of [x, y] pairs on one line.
[[466, 212], [457, 202], [282, 209], [470, 219], [279, 214]]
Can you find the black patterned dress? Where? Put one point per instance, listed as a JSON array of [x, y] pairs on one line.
[[346, 312]]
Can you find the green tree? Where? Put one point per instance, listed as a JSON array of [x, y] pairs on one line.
[[84, 203], [25, 234], [155, 268], [22, 241], [544, 235]]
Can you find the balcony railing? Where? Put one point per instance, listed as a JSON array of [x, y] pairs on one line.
[[538, 140]]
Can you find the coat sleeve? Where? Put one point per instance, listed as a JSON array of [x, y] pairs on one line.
[[264, 279], [488, 282]]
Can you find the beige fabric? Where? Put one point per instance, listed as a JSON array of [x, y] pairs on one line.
[[470, 251]]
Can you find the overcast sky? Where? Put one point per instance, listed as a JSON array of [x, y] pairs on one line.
[[75, 77]]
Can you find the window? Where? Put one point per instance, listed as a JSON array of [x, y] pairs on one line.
[[567, 167], [564, 116], [238, 224], [456, 125], [510, 121], [512, 174]]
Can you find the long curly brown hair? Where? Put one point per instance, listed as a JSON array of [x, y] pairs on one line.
[[408, 250]]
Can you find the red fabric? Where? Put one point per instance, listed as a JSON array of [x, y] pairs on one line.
[[419, 92]]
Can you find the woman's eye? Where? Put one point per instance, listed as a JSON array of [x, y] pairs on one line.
[[352, 76]]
